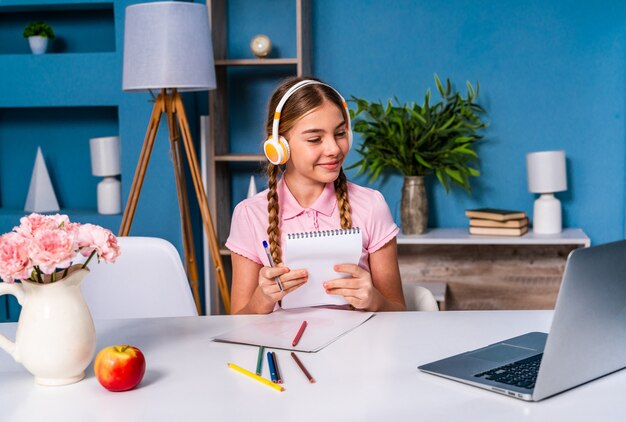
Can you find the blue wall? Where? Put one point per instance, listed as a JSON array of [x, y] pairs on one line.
[[551, 76]]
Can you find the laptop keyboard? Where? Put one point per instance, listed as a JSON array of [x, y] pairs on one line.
[[522, 373]]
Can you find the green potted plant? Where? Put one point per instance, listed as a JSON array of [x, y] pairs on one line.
[[38, 34], [418, 140]]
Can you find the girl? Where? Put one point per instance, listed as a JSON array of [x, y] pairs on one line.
[[308, 129]]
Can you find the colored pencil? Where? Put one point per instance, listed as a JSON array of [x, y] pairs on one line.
[[269, 258], [259, 361], [256, 377], [279, 379], [306, 373], [299, 334], [270, 362]]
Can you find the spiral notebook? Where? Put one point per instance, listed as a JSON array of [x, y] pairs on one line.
[[318, 252]]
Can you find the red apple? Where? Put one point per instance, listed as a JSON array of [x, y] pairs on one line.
[[119, 368]]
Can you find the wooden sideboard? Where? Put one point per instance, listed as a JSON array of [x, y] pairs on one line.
[[489, 272]]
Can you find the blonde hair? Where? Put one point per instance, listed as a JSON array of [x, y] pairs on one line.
[[299, 103]]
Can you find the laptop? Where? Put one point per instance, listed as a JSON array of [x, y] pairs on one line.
[[587, 338]]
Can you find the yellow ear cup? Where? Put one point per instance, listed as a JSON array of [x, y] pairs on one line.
[[276, 152]]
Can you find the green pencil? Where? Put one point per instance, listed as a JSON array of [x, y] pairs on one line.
[[259, 360]]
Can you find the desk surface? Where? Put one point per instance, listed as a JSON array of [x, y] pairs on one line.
[[461, 236], [368, 375]]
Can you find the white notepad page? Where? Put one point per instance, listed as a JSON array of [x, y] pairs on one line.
[[318, 252], [278, 329]]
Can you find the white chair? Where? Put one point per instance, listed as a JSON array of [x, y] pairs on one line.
[[418, 298], [146, 280]]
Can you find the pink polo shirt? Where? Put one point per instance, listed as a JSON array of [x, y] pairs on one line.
[[370, 213]]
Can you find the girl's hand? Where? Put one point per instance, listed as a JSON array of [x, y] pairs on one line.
[[290, 280], [357, 289]]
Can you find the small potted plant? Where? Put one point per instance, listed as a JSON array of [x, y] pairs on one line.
[[38, 34], [419, 140]]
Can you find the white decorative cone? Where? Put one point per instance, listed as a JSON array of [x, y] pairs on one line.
[[41, 196], [252, 188]]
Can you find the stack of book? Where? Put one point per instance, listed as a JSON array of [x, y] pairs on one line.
[[497, 222]]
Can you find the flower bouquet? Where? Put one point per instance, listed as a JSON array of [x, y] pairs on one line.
[[43, 248], [55, 338]]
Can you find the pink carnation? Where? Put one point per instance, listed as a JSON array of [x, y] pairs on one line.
[[91, 237], [31, 224], [45, 243], [52, 249], [14, 261]]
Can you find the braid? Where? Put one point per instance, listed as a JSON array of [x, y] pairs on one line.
[[341, 190], [273, 229]]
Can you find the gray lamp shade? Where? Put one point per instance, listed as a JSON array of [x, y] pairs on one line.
[[546, 171], [168, 45]]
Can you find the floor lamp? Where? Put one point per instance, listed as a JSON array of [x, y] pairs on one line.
[[167, 47]]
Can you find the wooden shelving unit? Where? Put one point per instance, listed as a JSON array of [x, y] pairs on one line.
[[220, 157]]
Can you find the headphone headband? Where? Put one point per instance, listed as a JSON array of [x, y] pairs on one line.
[[276, 142]]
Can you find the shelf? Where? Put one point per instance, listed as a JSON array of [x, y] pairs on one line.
[[38, 5], [256, 62], [78, 27], [240, 157], [63, 134], [461, 236]]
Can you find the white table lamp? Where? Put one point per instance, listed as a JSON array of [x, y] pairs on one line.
[[546, 175], [105, 162]]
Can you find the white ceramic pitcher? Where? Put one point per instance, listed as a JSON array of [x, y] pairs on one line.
[[55, 338]]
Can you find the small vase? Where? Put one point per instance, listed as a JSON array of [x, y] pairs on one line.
[[55, 338], [38, 44], [414, 205]]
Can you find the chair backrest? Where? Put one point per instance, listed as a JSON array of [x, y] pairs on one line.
[[146, 280], [418, 298]]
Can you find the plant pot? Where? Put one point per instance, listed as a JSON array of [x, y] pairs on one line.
[[414, 205], [38, 44]]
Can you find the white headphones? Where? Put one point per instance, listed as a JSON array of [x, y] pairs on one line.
[[276, 147]]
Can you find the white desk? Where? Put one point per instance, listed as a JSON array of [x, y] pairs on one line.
[[461, 236], [368, 375]]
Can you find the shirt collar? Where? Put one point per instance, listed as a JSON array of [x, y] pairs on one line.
[[325, 204]]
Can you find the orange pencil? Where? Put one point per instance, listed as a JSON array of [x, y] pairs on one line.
[[299, 334]]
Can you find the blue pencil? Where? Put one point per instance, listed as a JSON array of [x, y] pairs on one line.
[[270, 362]]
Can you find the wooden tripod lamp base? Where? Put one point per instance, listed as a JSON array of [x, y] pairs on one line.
[[170, 103]]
